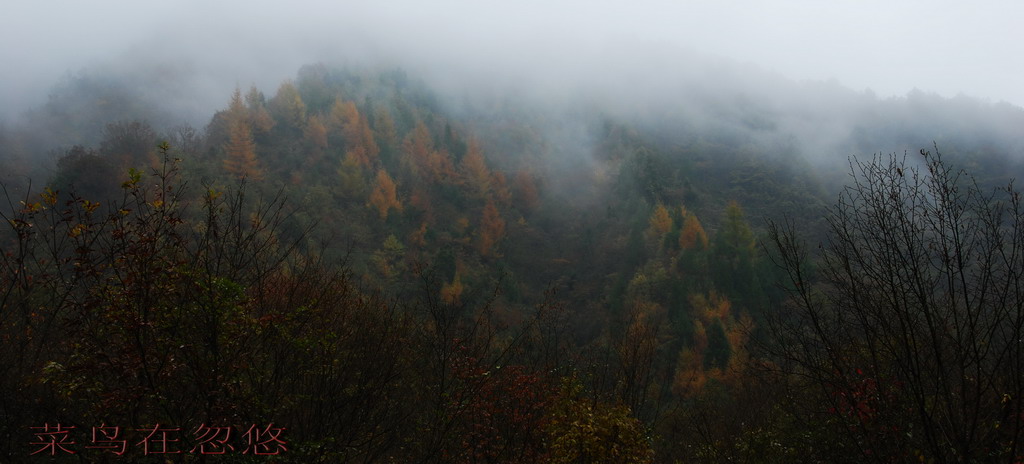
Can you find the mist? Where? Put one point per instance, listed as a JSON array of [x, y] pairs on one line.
[[823, 80], [945, 47], [513, 231]]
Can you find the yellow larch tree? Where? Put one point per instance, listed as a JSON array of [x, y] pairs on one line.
[[692, 235], [660, 222], [440, 167], [236, 109], [690, 377], [343, 116], [384, 195], [419, 236], [240, 149], [355, 129]]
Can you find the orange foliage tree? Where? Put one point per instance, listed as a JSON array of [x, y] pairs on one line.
[[354, 128], [384, 195], [692, 235]]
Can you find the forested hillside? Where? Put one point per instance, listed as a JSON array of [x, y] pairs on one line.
[[354, 267]]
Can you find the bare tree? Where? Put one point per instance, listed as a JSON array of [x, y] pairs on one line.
[[908, 335]]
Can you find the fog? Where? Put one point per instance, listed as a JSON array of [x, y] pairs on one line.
[[204, 49], [822, 80]]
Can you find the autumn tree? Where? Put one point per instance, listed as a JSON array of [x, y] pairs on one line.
[[356, 135], [505, 420], [240, 150], [423, 160], [692, 235], [581, 429], [660, 222], [237, 110], [148, 312], [388, 260], [384, 196]]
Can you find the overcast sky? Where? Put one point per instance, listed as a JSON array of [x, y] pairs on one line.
[[888, 46]]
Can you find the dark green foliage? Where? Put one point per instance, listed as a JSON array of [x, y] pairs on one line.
[[85, 171], [717, 355], [732, 258]]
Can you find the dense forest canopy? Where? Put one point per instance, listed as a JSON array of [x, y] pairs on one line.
[[390, 271]]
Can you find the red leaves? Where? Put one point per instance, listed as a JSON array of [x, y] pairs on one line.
[[502, 410]]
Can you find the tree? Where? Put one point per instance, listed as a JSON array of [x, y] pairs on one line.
[[236, 109], [416, 149], [384, 197], [735, 238], [660, 222], [358, 140], [474, 169], [692, 235], [733, 258], [258, 114], [911, 340], [288, 108], [719, 349], [155, 311], [350, 178], [525, 190], [582, 430], [240, 151], [492, 229], [386, 136], [452, 292], [316, 134], [129, 143]]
